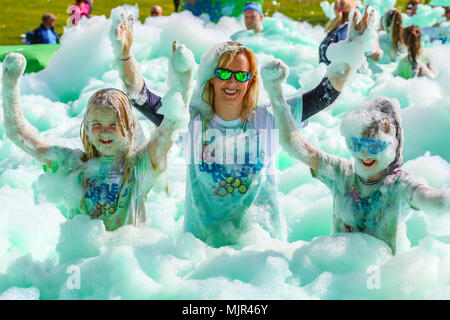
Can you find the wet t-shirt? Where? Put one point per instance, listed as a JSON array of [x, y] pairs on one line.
[[230, 182], [94, 187], [359, 207], [231, 176]]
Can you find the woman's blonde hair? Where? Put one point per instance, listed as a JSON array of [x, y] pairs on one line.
[[342, 9], [119, 102], [251, 96]]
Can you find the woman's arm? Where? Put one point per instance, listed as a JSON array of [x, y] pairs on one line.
[[175, 105], [433, 201], [346, 56], [274, 74], [17, 128], [340, 68]]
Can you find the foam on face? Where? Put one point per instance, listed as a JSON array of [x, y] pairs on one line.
[[371, 123], [38, 244]]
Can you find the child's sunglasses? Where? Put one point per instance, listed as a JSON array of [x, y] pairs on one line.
[[224, 74], [372, 146]]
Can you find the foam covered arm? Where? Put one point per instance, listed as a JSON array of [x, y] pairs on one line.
[[433, 201], [121, 37], [17, 128], [348, 55], [175, 105], [274, 74]]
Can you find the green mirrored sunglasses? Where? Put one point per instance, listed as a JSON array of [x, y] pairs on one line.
[[224, 74]]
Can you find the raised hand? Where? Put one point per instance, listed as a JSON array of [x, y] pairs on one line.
[[358, 25], [274, 74], [121, 32], [13, 67], [181, 68], [17, 128]]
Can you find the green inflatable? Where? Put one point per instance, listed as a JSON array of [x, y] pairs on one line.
[[37, 55], [216, 9]]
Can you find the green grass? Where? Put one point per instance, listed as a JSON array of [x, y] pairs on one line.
[[19, 16]]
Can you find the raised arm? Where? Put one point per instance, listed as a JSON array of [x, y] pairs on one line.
[[17, 128], [274, 74], [433, 201], [347, 56], [175, 105], [121, 37]]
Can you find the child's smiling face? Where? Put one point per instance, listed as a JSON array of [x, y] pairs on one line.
[[103, 131], [373, 153]]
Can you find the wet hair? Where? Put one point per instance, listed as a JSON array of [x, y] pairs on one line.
[[411, 38], [380, 114], [393, 25], [117, 101], [342, 9], [251, 96], [412, 4]]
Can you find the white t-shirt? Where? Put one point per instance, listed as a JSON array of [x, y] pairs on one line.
[[230, 180]]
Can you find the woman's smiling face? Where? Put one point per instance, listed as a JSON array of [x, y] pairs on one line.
[[103, 131], [231, 92]]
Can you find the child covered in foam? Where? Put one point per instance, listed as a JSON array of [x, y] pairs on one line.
[[369, 191], [111, 177]]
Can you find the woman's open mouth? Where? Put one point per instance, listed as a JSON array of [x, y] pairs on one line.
[[368, 163], [230, 92]]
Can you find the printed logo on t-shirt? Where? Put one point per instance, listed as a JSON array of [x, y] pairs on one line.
[[234, 178], [103, 197]]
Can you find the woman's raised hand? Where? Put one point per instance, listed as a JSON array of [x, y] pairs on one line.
[[181, 67], [358, 25]]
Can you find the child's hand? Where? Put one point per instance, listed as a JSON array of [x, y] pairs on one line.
[[181, 67], [13, 67], [121, 33], [274, 74]]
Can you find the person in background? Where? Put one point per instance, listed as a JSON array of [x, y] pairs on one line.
[[417, 62], [79, 9], [253, 16], [90, 3], [390, 38], [45, 33], [411, 7], [156, 11], [176, 4]]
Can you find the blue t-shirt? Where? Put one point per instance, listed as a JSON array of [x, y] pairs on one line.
[[52, 38]]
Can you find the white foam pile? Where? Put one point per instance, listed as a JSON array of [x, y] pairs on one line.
[[45, 256]]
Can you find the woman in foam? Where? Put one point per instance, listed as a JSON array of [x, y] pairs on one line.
[[370, 190], [417, 62], [232, 142], [337, 29], [391, 36], [111, 177]]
